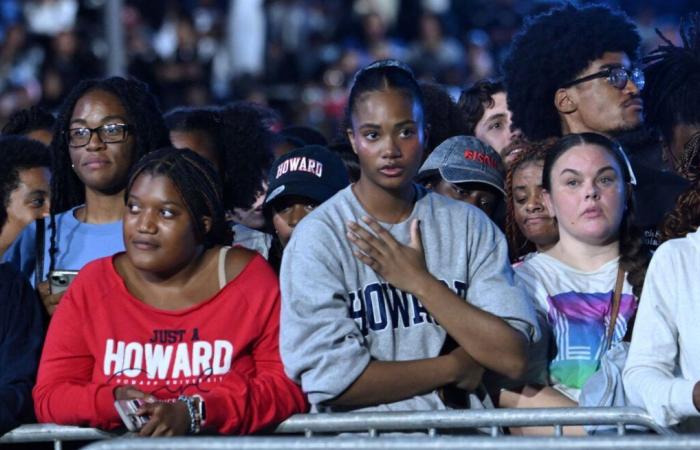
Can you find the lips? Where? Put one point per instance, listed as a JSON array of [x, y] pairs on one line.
[[635, 102], [391, 171], [145, 244], [95, 163], [592, 212]]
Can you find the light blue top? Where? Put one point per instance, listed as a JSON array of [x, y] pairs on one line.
[[78, 243]]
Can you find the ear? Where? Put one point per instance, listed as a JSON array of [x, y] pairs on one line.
[[351, 138], [206, 224], [563, 101], [426, 134]]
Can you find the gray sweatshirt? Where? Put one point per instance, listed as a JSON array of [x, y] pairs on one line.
[[338, 314]]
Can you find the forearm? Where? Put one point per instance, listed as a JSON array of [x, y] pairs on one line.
[[68, 403], [393, 381], [487, 338]]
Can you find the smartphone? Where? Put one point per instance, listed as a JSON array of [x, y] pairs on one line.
[[127, 411], [59, 280]]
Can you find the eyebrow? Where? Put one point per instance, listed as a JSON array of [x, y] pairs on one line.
[[611, 66], [104, 119], [398, 125], [576, 172], [495, 116]]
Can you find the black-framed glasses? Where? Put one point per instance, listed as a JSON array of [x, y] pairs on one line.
[[616, 76], [108, 133]]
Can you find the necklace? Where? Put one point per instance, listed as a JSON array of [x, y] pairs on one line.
[[405, 212]]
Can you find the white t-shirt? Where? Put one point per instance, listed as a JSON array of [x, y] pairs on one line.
[[577, 306]]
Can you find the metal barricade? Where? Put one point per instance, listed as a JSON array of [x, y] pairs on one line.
[[48, 432], [375, 423], [432, 421], [404, 443]]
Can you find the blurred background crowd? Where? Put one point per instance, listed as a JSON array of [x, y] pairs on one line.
[[297, 56]]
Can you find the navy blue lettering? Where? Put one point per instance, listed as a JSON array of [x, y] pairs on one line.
[[357, 311], [374, 295], [419, 311], [398, 304]]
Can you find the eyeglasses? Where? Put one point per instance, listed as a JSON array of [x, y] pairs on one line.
[[109, 133], [616, 76]]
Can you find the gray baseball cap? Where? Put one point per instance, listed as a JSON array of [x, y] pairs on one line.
[[465, 159]]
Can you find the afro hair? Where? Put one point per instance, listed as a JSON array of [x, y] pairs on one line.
[[552, 49]]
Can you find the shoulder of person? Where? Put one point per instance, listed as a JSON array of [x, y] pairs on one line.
[[237, 259]]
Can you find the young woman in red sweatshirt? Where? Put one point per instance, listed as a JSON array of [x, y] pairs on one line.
[[178, 320]]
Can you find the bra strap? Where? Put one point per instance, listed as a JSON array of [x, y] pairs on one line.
[[222, 266]]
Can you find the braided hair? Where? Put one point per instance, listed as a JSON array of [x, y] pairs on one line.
[[672, 91], [198, 183], [531, 152], [685, 217], [634, 258], [146, 125]]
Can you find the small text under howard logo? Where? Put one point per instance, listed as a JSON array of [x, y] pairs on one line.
[[480, 157], [300, 164]]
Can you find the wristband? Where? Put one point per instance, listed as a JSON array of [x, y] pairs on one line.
[[195, 417]]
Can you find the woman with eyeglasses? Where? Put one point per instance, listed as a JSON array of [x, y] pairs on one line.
[[103, 127]]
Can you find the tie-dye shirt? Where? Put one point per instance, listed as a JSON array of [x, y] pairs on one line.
[[578, 307]]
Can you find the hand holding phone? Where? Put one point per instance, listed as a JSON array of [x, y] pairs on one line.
[[59, 280], [127, 411]]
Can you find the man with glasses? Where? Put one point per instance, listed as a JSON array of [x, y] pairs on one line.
[[572, 70]]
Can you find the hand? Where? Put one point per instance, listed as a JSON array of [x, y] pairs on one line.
[[403, 266], [166, 419], [49, 300], [468, 372]]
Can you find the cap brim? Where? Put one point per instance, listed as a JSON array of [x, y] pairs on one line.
[[465, 175], [319, 192]]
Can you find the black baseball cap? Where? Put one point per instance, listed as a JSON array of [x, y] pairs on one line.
[[311, 171]]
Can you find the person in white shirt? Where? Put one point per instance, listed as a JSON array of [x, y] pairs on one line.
[[662, 372]]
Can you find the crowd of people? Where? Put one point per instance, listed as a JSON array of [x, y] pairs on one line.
[[532, 244]]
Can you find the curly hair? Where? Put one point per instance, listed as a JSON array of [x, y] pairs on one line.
[[531, 152], [17, 154], [685, 217], [27, 120], [474, 101], [634, 258], [246, 141], [198, 183], [444, 118], [146, 125], [552, 49]]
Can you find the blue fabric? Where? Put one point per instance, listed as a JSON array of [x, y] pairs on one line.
[[21, 335], [78, 243]]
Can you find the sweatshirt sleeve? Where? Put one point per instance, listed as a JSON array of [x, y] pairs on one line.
[[321, 345], [246, 402], [65, 393], [650, 374], [491, 284], [21, 333]]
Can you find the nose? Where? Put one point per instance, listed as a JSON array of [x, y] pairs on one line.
[[534, 204], [146, 223], [631, 88], [592, 191], [95, 143], [392, 149]]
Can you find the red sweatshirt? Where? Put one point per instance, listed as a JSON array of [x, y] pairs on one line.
[[224, 349]]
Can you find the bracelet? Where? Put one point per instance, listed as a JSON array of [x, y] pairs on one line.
[[195, 418]]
